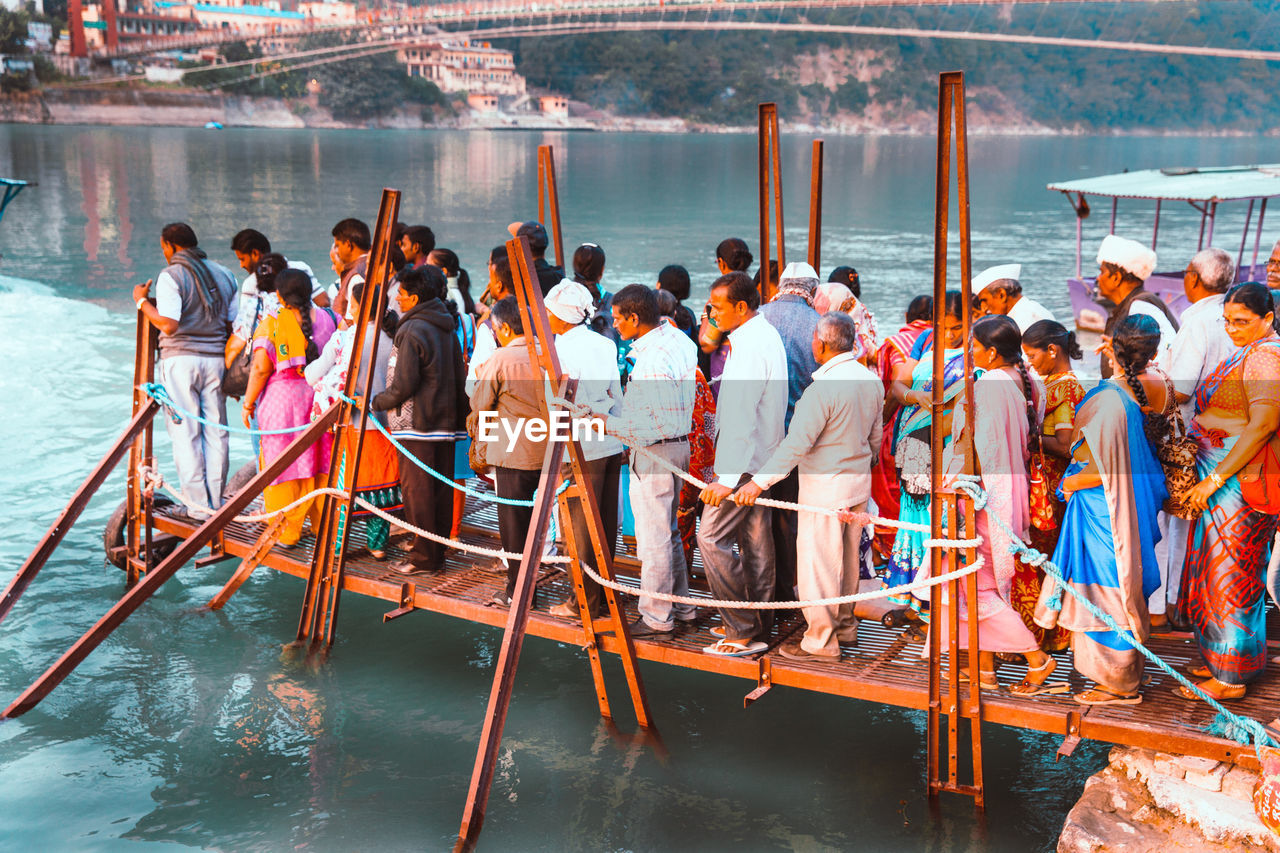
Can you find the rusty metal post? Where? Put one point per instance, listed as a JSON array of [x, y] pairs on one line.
[[549, 198], [815, 207], [504, 675], [318, 619], [542, 351], [770, 173], [146, 347], [951, 125], [974, 710]]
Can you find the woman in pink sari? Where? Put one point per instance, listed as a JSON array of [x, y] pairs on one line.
[[1007, 406], [278, 394]]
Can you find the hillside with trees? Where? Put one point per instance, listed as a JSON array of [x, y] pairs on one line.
[[718, 77]]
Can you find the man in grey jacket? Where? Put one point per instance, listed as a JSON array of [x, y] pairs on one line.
[[194, 309], [834, 440]]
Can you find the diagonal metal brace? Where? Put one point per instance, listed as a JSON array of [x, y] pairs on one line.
[[1072, 740]]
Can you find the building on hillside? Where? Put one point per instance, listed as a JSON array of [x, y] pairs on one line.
[[460, 66], [246, 18], [328, 11], [483, 103], [554, 105]]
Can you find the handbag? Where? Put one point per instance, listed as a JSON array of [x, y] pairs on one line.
[[1260, 478], [1041, 502], [235, 381], [1176, 452]]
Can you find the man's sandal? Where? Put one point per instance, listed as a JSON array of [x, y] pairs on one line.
[[1198, 671], [1027, 687], [1102, 696]]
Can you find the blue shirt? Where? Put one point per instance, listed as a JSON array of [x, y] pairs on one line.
[[795, 321]]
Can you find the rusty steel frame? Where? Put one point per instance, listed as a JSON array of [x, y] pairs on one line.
[[167, 568], [317, 622], [815, 206], [769, 156], [540, 344], [138, 504], [549, 198], [952, 705]]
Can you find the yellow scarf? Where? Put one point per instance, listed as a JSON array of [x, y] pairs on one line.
[[289, 341]]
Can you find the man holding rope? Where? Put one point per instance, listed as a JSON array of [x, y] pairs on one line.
[[834, 440], [750, 413]]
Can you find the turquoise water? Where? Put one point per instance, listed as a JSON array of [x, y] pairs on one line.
[[186, 729]]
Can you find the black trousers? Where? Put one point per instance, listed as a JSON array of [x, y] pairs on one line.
[[514, 521], [603, 474], [428, 503], [784, 536]]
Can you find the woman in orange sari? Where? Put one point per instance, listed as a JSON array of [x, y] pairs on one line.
[[1049, 348]]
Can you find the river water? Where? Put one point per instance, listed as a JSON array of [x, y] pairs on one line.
[[186, 729]]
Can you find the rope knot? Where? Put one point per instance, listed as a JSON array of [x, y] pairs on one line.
[[160, 394]]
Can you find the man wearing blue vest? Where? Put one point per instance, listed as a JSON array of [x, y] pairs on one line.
[[194, 308]]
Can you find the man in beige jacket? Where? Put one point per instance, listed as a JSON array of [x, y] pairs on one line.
[[833, 439]]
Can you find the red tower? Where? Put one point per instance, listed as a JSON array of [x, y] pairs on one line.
[[76, 25]]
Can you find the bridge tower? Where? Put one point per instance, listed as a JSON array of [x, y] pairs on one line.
[[109, 18], [75, 23]]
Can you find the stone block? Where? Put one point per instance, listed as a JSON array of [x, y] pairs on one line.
[[1167, 765], [1209, 780], [1238, 784], [1196, 763]]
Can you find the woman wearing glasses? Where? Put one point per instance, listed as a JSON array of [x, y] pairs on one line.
[[1237, 414]]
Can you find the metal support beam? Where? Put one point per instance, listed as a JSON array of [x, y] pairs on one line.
[[63, 523], [156, 578], [770, 173], [815, 208], [549, 199]]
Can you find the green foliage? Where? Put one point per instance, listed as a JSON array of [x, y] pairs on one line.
[[852, 95]]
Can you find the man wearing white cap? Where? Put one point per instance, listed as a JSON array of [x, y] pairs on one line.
[[592, 359], [791, 312], [998, 290], [1123, 267]]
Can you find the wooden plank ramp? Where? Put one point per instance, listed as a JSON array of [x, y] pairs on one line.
[[882, 667]]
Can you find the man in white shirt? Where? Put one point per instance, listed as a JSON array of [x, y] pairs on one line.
[[657, 415], [592, 359], [194, 309], [998, 291], [1124, 265], [249, 247], [750, 412], [833, 440], [1199, 346], [501, 285]]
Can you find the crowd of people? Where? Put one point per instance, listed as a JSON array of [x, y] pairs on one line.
[[1154, 491]]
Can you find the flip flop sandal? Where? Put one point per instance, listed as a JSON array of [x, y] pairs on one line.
[[735, 648], [1182, 692], [1113, 698], [990, 686], [718, 631], [1025, 688], [1197, 671], [914, 634]]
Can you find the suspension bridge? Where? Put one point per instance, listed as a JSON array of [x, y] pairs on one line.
[[386, 31]]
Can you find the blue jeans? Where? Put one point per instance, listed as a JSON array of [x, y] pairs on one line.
[[655, 497], [200, 453]]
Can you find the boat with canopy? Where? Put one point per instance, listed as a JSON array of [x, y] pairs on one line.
[[1204, 188]]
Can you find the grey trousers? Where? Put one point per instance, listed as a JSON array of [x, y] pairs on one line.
[[748, 574]]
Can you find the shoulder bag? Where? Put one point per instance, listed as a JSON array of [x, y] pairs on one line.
[[235, 381], [1176, 452]]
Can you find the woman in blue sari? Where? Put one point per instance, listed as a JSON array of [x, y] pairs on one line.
[[1114, 489], [1237, 414], [912, 387]]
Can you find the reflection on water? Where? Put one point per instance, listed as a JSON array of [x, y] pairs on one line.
[[188, 729]]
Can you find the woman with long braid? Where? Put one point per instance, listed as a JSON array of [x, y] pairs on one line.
[[1007, 409], [1114, 489], [279, 396]]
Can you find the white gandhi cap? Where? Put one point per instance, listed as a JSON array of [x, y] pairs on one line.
[[991, 275]]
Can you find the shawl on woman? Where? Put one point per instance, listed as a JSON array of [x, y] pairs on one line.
[[1111, 424], [1000, 434]]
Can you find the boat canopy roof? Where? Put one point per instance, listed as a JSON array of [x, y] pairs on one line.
[[1210, 183]]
